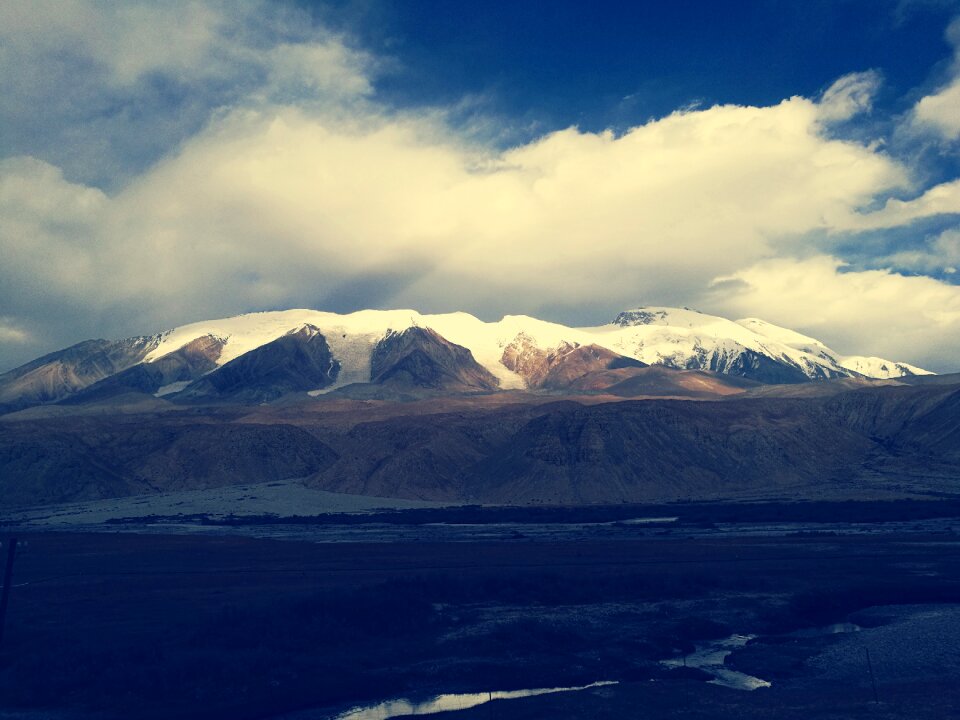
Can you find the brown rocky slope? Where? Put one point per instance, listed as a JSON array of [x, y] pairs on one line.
[[889, 441]]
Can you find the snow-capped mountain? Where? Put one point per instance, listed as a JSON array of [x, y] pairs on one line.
[[678, 338], [261, 356], [875, 367]]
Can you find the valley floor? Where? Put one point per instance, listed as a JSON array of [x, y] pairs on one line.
[[224, 625]]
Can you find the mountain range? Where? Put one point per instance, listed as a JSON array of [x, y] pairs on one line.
[[401, 354], [659, 405]]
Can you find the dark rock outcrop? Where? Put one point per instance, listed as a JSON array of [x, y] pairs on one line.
[[751, 365], [299, 361], [61, 374], [888, 441], [562, 367], [64, 460], [419, 358], [659, 381], [184, 365], [878, 442]]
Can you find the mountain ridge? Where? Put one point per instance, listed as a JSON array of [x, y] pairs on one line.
[[515, 353], [878, 441]]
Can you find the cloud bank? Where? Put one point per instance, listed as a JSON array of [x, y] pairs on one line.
[[939, 112], [299, 188], [820, 294]]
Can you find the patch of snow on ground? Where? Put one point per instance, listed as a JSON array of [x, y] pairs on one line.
[[172, 388]]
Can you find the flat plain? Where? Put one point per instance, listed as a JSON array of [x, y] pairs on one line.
[[229, 622]]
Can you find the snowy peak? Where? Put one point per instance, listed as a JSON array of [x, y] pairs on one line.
[[686, 338], [298, 361], [679, 338], [243, 333], [781, 335], [875, 367], [561, 367], [679, 317], [640, 316], [261, 356]]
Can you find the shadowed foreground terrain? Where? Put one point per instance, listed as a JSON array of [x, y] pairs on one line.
[[545, 542], [221, 626], [835, 443]]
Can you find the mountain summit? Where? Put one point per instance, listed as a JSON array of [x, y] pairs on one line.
[[260, 357]]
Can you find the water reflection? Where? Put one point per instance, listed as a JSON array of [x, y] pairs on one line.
[[451, 701], [710, 658]]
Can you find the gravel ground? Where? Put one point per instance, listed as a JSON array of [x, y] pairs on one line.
[[284, 498], [917, 642]]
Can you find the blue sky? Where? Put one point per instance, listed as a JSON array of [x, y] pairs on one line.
[[615, 64], [795, 161]]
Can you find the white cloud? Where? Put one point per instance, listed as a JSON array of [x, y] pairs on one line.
[[128, 40], [942, 199], [940, 255], [849, 95], [48, 228], [273, 206], [105, 89], [300, 188], [940, 112], [10, 333], [296, 199], [874, 312], [185, 40], [315, 69]]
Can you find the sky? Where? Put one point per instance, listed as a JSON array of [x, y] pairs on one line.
[[162, 163]]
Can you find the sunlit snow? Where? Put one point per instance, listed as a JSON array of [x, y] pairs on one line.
[[668, 336]]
